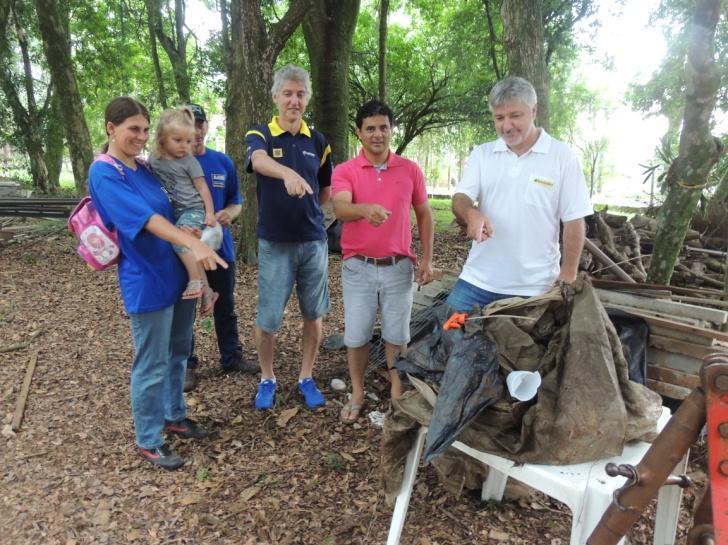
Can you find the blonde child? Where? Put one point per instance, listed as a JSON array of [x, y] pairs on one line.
[[182, 176]]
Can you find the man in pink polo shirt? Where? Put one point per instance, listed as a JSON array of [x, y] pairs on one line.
[[373, 194]]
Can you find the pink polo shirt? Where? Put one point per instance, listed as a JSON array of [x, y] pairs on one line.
[[397, 188]]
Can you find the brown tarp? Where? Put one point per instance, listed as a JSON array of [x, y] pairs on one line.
[[586, 408]]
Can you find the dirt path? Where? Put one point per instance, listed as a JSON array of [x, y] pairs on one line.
[[71, 475]]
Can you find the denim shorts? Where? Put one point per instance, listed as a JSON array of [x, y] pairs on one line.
[[464, 296], [367, 287], [280, 266], [192, 217]]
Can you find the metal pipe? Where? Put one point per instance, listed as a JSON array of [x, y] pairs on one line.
[[604, 259], [653, 470]]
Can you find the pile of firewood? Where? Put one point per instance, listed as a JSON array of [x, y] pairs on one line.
[[628, 245]]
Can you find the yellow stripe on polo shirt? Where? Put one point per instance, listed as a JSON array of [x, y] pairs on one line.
[[276, 130], [327, 151], [255, 132]]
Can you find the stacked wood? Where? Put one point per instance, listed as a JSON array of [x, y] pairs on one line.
[[628, 243], [682, 334]]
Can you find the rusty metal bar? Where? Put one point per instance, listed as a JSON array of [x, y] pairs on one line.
[[653, 470]]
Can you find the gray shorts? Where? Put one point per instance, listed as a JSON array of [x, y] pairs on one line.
[[367, 287]]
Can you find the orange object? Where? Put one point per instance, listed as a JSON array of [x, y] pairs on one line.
[[455, 321]]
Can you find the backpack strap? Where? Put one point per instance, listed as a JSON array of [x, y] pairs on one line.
[[111, 160]]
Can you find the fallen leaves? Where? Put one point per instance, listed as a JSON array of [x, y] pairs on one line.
[[286, 416], [75, 477], [190, 499], [249, 493]]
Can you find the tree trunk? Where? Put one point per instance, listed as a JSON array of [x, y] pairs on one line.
[[254, 48], [54, 142], [175, 45], [328, 29], [26, 119], [383, 15], [151, 28], [523, 38], [699, 151], [57, 47]]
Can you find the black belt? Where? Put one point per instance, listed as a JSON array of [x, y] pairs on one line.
[[381, 261]]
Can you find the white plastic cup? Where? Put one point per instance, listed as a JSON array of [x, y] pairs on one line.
[[523, 385]]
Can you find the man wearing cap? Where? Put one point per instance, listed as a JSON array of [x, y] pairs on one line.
[[293, 170], [373, 196], [526, 184], [222, 180]]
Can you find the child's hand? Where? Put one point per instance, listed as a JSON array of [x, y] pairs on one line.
[[210, 220]]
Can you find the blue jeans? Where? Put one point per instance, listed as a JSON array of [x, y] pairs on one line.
[[226, 320], [162, 341], [280, 266], [464, 296]]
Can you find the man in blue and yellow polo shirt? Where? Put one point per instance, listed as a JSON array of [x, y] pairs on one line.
[[293, 167]]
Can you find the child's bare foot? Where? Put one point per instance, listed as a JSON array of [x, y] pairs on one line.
[[194, 289], [209, 298]]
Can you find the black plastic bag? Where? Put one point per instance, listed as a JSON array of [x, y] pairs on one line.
[[634, 334]]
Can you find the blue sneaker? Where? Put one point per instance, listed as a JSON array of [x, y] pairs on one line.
[[311, 394], [266, 396]]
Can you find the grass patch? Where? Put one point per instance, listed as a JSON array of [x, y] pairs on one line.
[[442, 212]]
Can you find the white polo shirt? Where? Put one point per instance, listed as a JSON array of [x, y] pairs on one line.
[[525, 198]]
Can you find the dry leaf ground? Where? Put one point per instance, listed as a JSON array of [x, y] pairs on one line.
[[71, 476]]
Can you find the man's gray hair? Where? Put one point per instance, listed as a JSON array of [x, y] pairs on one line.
[[512, 88], [291, 72]]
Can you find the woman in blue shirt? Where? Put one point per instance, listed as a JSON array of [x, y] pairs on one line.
[[151, 278]]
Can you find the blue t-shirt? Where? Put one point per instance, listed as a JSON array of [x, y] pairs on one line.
[[222, 179], [151, 276], [282, 218]]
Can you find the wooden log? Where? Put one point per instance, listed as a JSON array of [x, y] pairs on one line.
[[700, 301], [684, 347], [677, 362], [680, 335], [607, 261], [23, 397], [684, 328], [668, 308], [633, 242], [691, 322], [709, 281], [618, 284], [670, 376], [615, 221], [668, 390], [610, 248]]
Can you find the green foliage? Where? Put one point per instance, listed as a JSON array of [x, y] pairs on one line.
[[665, 154], [334, 461], [207, 325], [664, 93], [202, 474]]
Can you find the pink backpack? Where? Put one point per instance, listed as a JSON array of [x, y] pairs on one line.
[[97, 245]]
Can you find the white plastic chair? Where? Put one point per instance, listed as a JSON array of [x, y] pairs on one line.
[[585, 488]]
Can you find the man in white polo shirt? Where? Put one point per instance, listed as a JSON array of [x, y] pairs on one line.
[[526, 184]]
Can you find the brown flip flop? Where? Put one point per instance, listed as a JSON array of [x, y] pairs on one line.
[[353, 410]]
